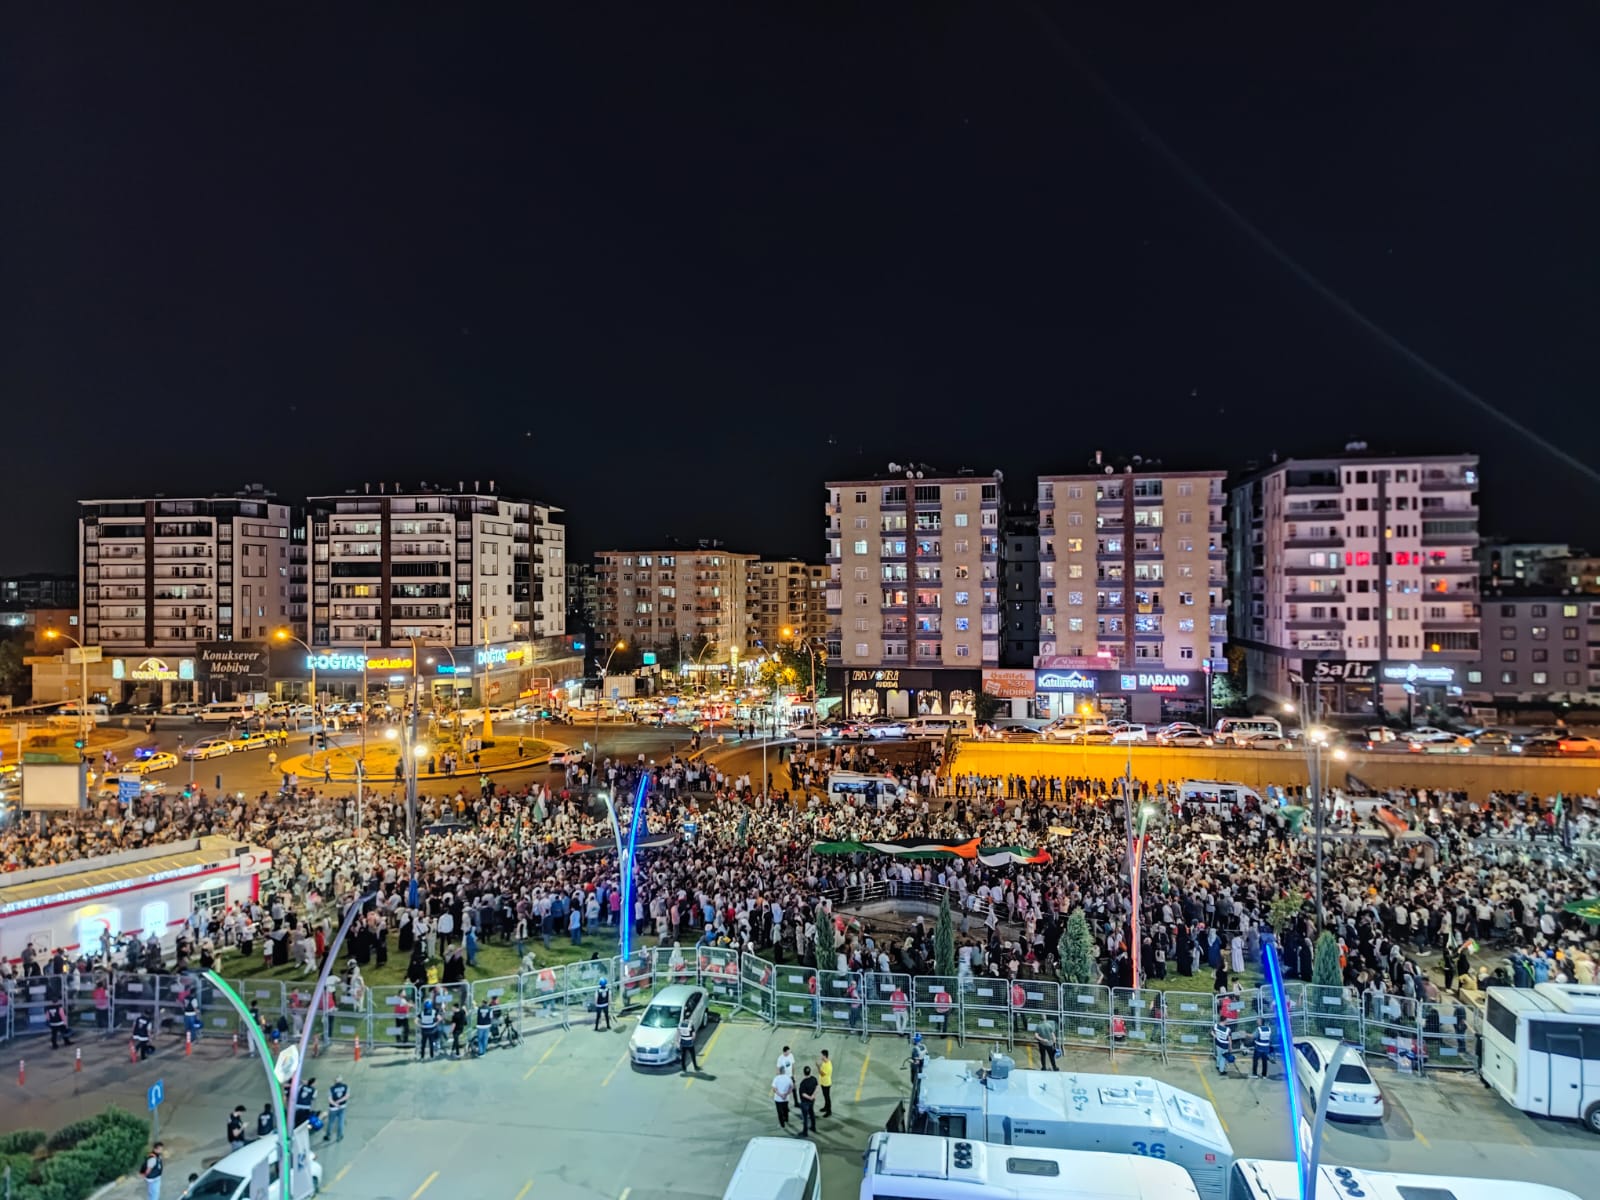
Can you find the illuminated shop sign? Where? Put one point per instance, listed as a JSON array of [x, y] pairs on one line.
[[1065, 681], [357, 662], [493, 656], [1163, 682], [152, 670]]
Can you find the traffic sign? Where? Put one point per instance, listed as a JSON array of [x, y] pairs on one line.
[[156, 1094], [615, 692], [127, 789]]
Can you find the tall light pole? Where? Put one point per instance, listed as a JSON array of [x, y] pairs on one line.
[[811, 650], [699, 661], [604, 671], [1315, 739], [283, 635], [84, 720]]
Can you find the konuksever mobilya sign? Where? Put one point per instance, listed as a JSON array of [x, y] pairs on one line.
[[237, 662]]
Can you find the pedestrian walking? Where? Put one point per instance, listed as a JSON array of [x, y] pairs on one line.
[[825, 1081], [402, 1019], [338, 1097], [785, 1064], [1261, 1050], [782, 1089], [485, 1018], [686, 1048], [56, 1017], [1044, 1033], [236, 1128], [602, 1005], [808, 1103], [151, 1172], [458, 1027], [141, 1036]]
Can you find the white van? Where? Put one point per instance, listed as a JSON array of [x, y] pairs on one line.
[[230, 1178], [98, 713], [775, 1168], [937, 727], [1237, 731], [1220, 797], [874, 791], [220, 712]]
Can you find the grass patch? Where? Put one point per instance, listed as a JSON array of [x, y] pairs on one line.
[[1203, 982]]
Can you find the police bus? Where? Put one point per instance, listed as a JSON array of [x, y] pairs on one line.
[[1538, 1044], [1259, 1179], [870, 791], [900, 1165]]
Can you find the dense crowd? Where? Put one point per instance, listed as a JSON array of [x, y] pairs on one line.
[[511, 865]]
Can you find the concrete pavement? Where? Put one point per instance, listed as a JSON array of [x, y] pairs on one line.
[[566, 1116]]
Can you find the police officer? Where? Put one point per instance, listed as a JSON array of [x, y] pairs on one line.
[[602, 1005], [236, 1128], [265, 1121], [191, 1016], [919, 1058], [151, 1171], [485, 1019], [56, 1017], [141, 1036], [305, 1100], [1261, 1050], [1221, 1044], [686, 1048], [428, 1026], [338, 1097]]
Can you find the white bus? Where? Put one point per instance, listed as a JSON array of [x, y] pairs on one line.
[[1537, 1046], [1260, 1179], [901, 1165], [936, 727], [1237, 731], [875, 791]]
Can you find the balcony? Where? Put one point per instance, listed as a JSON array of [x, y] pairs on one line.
[[1449, 483], [1336, 568], [1307, 541], [1314, 597], [1314, 623]]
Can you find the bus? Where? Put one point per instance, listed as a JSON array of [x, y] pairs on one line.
[[1538, 1043], [874, 791], [1237, 731], [899, 1165], [1261, 1179]]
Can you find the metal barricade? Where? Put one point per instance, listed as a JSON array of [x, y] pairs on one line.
[[1086, 1015], [719, 975], [1334, 1012], [393, 1015], [675, 964], [1189, 1017], [1136, 1019], [842, 1003], [579, 983], [986, 1010], [1450, 1033], [798, 1002], [1041, 998], [29, 1003], [131, 995], [755, 988], [888, 1002], [636, 981], [933, 1006], [1391, 1028], [540, 1003]]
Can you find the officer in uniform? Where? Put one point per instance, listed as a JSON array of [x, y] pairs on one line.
[[428, 1026], [485, 1019], [602, 1005], [338, 1097], [305, 1100], [151, 1171], [236, 1128], [141, 1036], [56, 1017], [191, 1016], [265, 1121], [686, 1048], [1261, 1050], [919, 1058], [1221, 1044]]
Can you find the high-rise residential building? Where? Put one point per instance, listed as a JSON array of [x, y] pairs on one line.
[[1537, 648], [583, 597], [1132, 589], [39, 591], [1503, 564], [914, 590], [785, 593], [172, 587], [686, 601], [1357, 571], [1020, 600], [473, 575]]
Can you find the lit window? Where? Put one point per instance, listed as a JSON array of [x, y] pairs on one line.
[[961, 597], [861, 545], [961, 624]]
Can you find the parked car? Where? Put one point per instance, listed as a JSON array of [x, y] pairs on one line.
[[1263, 740], [1542, 743], [1182, 733], [807, 732], [161, 760], [212, 747], [566, 758], [1497, 741], [181, 708], [110, 786], [654, 1041], [229, 1179], [1426, 733], [1126, 734], [886, 727], [1355, 1093]]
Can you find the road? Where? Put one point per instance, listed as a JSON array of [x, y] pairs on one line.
[[566, 1117]]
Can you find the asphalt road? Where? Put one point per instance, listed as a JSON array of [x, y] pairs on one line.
[[565, 1116]]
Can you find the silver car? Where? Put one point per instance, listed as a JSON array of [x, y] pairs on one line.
[[654, 1042]]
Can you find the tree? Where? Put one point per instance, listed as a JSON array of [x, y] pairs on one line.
[[944, 941], [787, 668], [1076, 951], [827, 954], [15, 675], [1327, 979], [985, 708], [1282, 912]]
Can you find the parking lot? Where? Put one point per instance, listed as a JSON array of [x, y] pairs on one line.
[[567, 1116]]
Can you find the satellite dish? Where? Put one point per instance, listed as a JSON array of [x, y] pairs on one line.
[[288, 1064], [894, 468]]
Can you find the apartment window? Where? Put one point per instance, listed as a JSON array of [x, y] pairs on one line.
[[961, 597], [1074, 491], [1074, 624], [1186, 489], [961, 544], [1185, 598], [1186, 544], [1569, 610], [959, 493], [963, 650], [960, 518], [1539, 632], [1540, 655], [861, 545], [1538, 610], [1508, 633], [1075, 598], [861, 649], [1571, 678], [861, 598], [1474, 676], [1508, 610], [1508, 655], [1074, 545], [1074, 518], [861, 573], [1570, 633], [1186, 652], [861, 522], [861, 497], [1074, 570], [1186, 625], [1569, 656], [1185, 516], [961, 624], [1540, 677]]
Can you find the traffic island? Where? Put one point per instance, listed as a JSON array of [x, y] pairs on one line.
[[383, 763]]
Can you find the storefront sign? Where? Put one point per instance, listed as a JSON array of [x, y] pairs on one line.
[[1322, 671], [1065, 681], [492, 656], [1414, 673], [1073, 662], [337, 661], [1008, 685], [1155, 682], [890, 679], [152, 670], [235, 661]]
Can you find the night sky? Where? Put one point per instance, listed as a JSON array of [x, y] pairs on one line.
[[672, 266]]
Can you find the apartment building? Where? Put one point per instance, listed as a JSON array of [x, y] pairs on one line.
[[171, 586], [22, 592], [914, 590], [781, 594], [674, 600], [1356, 572], [583, 597], [1132, 582], [1019, 601], [1503, 564], [1536, 647], [474, 574]]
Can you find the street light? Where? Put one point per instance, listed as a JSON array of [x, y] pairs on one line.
[[811, 650], [84, 720], [605, 670], [283, 635]]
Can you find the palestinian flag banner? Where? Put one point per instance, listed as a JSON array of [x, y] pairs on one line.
[[1392, 822], [920, 848], [647, 842]]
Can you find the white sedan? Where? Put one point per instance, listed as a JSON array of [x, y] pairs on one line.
[[1355, 1093], [161, 760], [654, 1042], [806, 733], [1425, 734], [566, 758]]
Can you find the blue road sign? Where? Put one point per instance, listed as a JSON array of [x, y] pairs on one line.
[[615, 692], [157, 1093], [127, 789]]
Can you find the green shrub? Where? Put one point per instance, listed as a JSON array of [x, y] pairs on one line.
[[84, 1156], [24, 1141]]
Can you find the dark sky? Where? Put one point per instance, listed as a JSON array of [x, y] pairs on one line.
[[671, 266]]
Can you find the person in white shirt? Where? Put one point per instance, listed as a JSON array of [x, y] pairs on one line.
[[786, 1062], [782, 1089]]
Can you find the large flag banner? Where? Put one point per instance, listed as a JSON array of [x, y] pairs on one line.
[[924, 848], [646, 842]]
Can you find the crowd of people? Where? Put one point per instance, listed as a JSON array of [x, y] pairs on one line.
[[509, 864]]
